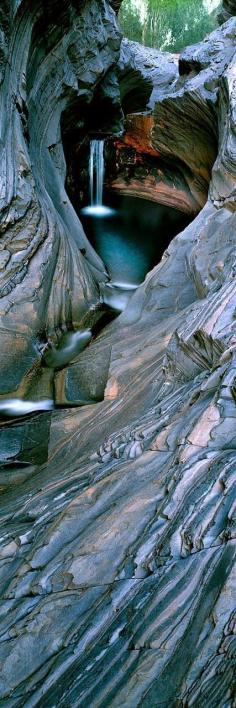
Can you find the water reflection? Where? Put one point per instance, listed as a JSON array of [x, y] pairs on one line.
[[97, 210], [168, 24], [130, 241]]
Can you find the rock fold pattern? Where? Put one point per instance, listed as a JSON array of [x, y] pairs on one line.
[[117, 518]]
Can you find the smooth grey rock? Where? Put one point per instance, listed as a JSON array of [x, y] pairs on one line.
[[117, 520]]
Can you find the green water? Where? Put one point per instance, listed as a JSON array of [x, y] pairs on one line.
[[169, 25]]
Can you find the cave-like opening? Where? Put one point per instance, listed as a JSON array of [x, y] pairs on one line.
[[130, 234]]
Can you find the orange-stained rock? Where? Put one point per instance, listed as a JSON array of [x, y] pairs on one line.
[[138, 133], [112, 389], [158, 191]]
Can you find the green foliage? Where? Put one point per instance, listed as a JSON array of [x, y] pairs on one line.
[[166, 24]]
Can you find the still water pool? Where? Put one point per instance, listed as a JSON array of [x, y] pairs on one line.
[[169, 25], [131, 237]]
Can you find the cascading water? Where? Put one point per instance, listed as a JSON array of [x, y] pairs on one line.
[[96, 172], [96, 180]]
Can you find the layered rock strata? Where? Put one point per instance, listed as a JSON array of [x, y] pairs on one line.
[[117, 544], [53, 62], [180, 125]]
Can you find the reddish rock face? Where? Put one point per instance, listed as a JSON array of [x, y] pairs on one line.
[[168, 150], [137, 169], [138, 133], [157, 191]]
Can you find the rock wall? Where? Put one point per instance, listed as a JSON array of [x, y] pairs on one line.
[[117, 551], [179, 127], [52, 60]]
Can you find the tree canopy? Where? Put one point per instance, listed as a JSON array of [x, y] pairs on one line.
[[167, 24]]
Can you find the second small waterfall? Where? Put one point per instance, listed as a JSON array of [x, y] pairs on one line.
[[96, 172]]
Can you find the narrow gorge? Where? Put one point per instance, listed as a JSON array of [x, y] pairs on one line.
[[118, 354]]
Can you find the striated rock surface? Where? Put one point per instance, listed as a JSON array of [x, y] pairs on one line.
[[180, 125], [54, 60], [117, 518]]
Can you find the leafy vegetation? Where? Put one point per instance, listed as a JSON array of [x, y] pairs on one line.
[[168, 24]]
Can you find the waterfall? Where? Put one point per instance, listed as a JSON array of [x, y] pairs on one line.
[[96, 172], [96, 180]]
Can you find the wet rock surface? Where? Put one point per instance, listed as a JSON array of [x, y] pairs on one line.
[[117, 518]]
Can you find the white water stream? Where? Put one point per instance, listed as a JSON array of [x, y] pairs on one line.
[[96, 172], [96, 180]]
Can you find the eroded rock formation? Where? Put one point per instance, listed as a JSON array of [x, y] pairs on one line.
[[46, 283], [117, 518], [182, 92]]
